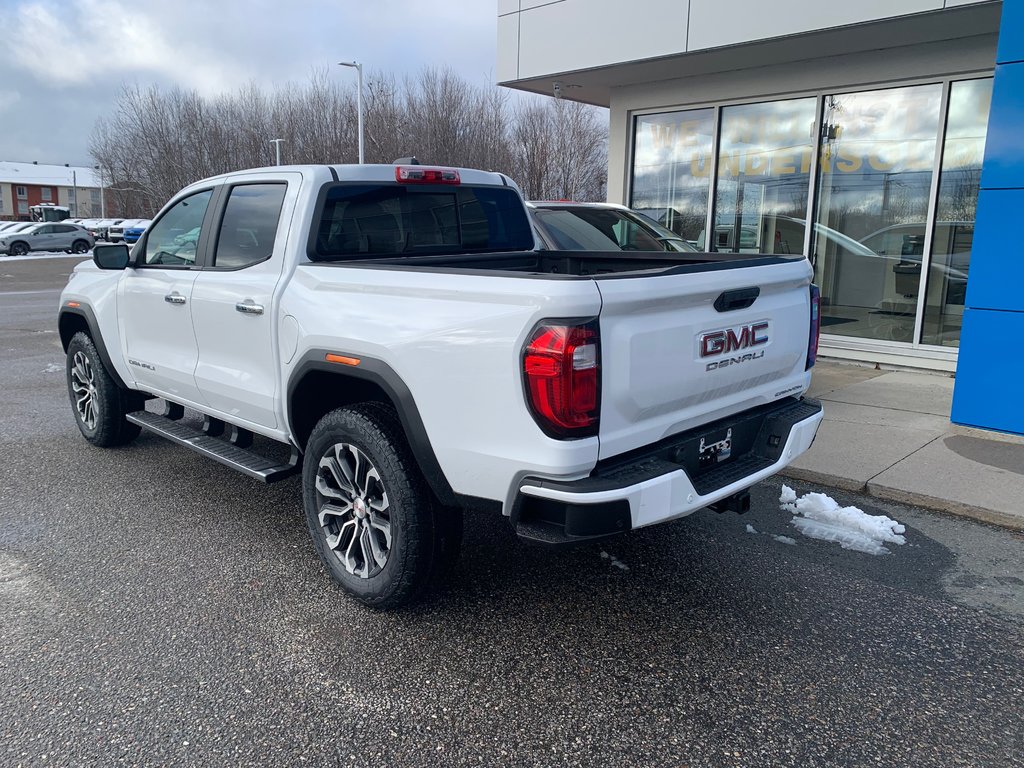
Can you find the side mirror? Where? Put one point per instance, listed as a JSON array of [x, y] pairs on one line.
[[113, 256]]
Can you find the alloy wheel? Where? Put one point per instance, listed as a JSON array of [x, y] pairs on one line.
[[83, 384], [353, 509]]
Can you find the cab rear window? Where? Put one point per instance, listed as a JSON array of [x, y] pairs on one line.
[[370, 221]]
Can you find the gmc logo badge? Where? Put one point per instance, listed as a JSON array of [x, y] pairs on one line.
[[731, 339]]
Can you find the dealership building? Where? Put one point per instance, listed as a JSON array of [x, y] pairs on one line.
[[883, 139]]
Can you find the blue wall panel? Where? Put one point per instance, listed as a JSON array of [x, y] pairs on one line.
[[1004, 144], [989, 389], [996, 277], [1011, 32]]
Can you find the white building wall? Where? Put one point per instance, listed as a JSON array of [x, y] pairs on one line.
[[6, 204], [541, 37]]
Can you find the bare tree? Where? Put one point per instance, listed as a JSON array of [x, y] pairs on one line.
[[158, 141]]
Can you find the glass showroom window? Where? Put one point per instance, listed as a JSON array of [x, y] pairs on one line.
[[962, 154], [764, 163], [672, 169], [874, 183]]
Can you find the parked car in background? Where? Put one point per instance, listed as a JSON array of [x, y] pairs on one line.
[[89, 224], [115, 233], [101, 228], [47, 237], [133, 233], [568, 226], [10, 227]]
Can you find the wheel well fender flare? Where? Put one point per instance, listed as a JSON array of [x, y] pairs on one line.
[[71, 320], [370, 379]]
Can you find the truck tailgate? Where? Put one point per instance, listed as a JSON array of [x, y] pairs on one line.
[[671, 361]]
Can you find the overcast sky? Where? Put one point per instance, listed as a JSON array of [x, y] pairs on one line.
[[63, 62]]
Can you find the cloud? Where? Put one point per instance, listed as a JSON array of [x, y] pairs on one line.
[[8, 99], [63, 62], [70, 44]]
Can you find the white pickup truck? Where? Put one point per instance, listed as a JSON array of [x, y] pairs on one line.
[[391, 332]]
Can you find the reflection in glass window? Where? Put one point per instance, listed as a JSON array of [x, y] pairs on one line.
[[874, 178], [764, 165], [672, 169], [174, 239], [962, 153], [249, 226]]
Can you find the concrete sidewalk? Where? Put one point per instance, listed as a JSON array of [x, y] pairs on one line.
[[887, 433]]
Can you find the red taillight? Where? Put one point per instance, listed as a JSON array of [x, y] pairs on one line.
[[812, 340], [562, 371], [421, 174]]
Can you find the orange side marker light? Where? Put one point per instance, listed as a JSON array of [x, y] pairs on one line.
[[330, 357]]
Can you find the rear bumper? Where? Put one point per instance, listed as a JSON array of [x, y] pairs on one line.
[[667, 480]]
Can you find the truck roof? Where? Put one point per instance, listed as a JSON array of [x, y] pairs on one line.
[[371, 172]]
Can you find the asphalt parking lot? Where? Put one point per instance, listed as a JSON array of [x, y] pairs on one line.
[[159, 609]]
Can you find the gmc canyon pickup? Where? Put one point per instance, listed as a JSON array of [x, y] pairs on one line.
[[392, 333]]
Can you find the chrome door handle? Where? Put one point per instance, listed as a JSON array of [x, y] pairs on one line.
[[174, 298], [248, 307]]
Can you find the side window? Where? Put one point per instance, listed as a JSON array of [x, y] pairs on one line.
[[62, 229], [47, 230], [173, 240], [249, 226]]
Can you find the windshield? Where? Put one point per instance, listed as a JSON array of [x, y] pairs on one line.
[[369, 221], [580, 228]]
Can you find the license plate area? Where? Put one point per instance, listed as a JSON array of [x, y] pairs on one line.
[[714, 447]]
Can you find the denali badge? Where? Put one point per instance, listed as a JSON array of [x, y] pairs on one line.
[[729, 340]]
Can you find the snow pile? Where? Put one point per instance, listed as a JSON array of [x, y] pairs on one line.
[[615, 561], [53, 368], [819, 517], [780, 539]]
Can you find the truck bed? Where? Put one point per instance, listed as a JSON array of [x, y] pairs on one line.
[[571, 264]]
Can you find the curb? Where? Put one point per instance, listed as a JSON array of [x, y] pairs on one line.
[[980, 514]]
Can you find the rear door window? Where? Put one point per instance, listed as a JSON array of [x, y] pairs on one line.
[[367, 221]]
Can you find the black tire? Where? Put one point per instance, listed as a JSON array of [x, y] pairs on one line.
[[448, 521], [18, 249], [373, 432], [80, 246], [107, 426]]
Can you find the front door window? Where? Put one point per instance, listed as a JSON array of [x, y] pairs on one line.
[[174, 240]]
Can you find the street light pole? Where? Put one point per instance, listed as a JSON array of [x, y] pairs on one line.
[[277, 148], [359, 102], [103, 198]]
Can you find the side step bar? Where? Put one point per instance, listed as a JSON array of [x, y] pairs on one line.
[[245, 461]]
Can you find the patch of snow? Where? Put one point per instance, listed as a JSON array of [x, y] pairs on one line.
[[53, 368], [819, 516], [783, 539], [751, 529], [615, 561]]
